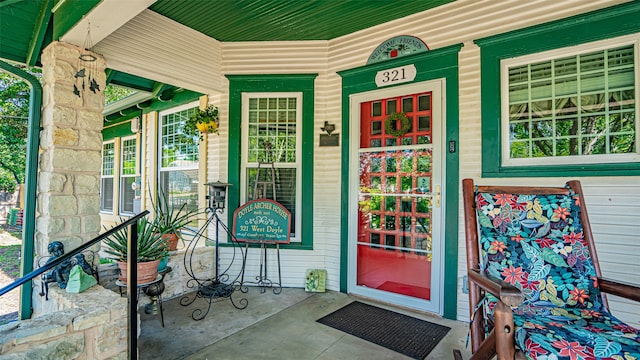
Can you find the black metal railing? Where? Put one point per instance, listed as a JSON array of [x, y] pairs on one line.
[[132, 275]]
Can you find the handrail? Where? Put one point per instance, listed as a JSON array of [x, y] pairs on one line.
[[132, 274], [68, 255]]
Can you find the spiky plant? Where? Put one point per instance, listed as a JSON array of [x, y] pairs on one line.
[[170, 218], [151, 245]]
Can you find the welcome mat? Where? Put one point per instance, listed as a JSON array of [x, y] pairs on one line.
[[398, 332]]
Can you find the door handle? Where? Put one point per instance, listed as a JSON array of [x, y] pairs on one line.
[[437, 196]]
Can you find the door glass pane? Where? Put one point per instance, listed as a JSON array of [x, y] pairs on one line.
[[394, 212], [394, 249]]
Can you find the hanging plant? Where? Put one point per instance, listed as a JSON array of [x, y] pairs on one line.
[[202, 122], [391, 128]]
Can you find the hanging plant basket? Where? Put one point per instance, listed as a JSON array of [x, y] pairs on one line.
[[206, 128], [391, 128], [202, 122]]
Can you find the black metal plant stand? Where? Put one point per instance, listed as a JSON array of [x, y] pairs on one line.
[[221, 286]]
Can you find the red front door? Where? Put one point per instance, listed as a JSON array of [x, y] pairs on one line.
[[394, 238]]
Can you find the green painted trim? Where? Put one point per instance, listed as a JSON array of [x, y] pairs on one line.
[[274, 83], [31, 183], [121, 129], [136, 109], [180, 98], [131, 81], [121, 115], [69, 14], [35, 46], [435, 64], [610, 22]]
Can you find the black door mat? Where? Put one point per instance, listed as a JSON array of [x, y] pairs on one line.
[[398, 332]]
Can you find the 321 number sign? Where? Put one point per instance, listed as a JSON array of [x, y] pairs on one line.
[[397, 75]]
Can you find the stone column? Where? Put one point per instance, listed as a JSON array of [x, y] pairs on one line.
[[70, 150]]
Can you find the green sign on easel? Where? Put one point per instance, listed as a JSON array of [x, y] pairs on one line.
[[262, 220]]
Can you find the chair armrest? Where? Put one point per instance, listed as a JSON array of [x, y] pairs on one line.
[[507, 293], [620, 288]]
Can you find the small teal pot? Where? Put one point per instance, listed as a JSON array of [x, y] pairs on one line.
[[163, 263]]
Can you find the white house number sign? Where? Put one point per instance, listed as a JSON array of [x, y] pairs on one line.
[[397, 75]]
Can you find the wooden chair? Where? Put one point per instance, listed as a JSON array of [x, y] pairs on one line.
[[535, 286]]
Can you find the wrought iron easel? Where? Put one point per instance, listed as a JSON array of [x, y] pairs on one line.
[[221, 286]]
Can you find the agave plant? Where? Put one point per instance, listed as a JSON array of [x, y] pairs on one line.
[[170, 218], [151, 245]]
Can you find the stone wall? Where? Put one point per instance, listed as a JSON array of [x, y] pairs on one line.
[[89, 325], [92, 324], [176, 281], [70, 149]]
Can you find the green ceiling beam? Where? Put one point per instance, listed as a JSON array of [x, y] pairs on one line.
[[110, 73], [168, 98], [9, 2], [39, 31], [158, 88], [68, 13]]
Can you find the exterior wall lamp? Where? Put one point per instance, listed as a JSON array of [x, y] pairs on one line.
[[217, 195]]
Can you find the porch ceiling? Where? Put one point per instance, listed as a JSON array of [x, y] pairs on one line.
[[28, 26], [286, 20]]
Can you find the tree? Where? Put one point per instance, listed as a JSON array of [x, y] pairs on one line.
[[14, 115]]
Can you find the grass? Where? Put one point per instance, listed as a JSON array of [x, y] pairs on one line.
[[10, 260], [10, 254]]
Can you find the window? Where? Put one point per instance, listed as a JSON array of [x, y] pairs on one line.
[[300, 87], [271, 134], [128, 172], [565, 60], [178, 170], [567, 108], [106, 179]]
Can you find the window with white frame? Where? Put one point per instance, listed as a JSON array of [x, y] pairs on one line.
[[106, 179], [178, 156], [271, 132], [571, 106], [128, 173]]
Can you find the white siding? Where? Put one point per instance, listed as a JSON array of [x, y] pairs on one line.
[[613, 202], [155, 47], [309, 57], [459, 22]]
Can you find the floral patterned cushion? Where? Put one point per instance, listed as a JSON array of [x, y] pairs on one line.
[[572, 333], [536, 243]]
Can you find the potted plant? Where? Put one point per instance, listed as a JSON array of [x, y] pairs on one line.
[[151, 249], [202, 122], [170, 219]]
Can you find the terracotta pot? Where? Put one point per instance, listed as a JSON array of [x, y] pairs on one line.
[[172, 241], [147, 271]]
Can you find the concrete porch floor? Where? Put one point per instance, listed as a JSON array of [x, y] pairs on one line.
[[273, 326]]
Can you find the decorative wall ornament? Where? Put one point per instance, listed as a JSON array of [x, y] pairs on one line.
[[328, 128], [329, 139], [85, 77], [396, 47]]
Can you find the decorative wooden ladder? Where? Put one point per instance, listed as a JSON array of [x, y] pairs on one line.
[[271, 174]]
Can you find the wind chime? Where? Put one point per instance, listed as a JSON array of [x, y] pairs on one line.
[[87, 68]]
